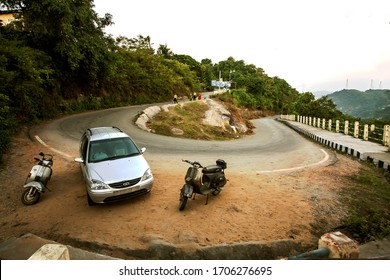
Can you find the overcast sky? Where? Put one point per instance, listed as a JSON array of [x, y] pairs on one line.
[[314, 45]]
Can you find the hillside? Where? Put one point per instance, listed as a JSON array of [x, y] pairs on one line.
[[365, 105]]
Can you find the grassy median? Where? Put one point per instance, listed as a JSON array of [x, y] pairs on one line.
[[185, 120]]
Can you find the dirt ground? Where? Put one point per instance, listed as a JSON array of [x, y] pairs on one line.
[[299, 205]]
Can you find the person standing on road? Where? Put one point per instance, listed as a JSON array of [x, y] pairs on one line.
[[175, 99], [194, 96], [199, 96]]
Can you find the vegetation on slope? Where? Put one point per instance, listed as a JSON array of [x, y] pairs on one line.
[[368, 200]]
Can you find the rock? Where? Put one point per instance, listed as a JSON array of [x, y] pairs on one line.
[[141, 122], [217, 115], [177, 131], [152, 111], [151, 238], [213, 118], [241, 128], [187, 237], [217, 107], [165, 108]]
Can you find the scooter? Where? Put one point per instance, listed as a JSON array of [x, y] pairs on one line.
[[37, 179], [211, 180]]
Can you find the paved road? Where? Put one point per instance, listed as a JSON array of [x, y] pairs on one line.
[[273, 146]]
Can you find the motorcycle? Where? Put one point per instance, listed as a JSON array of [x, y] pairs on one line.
[[37, 179], [211, 180]]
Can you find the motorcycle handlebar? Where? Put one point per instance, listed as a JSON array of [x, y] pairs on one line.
[[44, 156], [192, 162]]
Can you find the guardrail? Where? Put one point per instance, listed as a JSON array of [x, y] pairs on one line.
[[367, 132]]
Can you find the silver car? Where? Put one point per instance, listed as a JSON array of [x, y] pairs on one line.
[[113, 167]]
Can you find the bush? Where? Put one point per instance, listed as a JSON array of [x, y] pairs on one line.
[[7, 124], [243, 98]]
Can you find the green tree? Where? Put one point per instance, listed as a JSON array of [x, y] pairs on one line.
[[206, 74], [303, 104], [165, 51], [307, 105], [7, 125], [325, 108], [284, 96], [71, 33], [26, 76], [133, 44]]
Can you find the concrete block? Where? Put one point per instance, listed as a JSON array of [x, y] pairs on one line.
[[51, 252], [152, 111], [339, 245]]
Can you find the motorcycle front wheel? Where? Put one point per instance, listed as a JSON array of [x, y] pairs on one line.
[[183, 201], [30, 196]]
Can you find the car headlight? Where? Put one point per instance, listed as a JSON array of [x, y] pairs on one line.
[[147, 175], [98, 185]]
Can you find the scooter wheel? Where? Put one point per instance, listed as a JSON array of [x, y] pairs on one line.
[[182, 202], [30, 196]]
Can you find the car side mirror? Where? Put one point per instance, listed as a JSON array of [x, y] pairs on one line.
[[79, 160], [143, 149]]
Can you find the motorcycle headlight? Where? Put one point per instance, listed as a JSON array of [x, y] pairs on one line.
[[147, 175], [98, 185]]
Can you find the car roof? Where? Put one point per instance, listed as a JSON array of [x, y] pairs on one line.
[[100, 133]]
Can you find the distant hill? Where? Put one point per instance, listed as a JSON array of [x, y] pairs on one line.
[[373, 103]]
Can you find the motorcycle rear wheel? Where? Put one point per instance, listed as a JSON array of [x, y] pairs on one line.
[[30, 196], [183, 201]]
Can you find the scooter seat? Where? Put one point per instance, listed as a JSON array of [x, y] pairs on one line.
[[211, 169]]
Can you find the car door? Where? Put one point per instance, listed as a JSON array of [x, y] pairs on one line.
[[84, 155]]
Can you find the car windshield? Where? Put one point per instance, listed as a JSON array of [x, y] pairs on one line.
[[110, 149]]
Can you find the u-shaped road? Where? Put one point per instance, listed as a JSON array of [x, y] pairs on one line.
[[273, 147]]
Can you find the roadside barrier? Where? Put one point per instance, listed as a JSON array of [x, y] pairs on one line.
[[288, 120], [367, 132]]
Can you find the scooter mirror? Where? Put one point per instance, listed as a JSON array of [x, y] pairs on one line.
[[41, 154]]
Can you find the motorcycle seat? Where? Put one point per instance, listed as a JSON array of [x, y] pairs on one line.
[[211, 169]]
